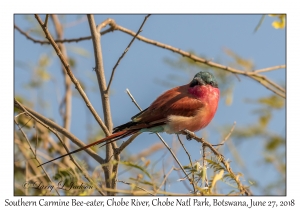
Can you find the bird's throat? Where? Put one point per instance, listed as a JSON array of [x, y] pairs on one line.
[[205, 93], [199, 91]]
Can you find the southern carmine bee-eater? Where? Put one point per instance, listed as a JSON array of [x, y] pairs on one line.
[[191, 106]]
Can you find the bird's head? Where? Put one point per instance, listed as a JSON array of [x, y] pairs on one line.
[[204, 78]]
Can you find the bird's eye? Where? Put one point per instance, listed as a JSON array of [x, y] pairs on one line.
[[211, 83]]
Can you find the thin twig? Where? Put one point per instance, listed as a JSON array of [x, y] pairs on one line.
[[73, 78], [195, 58], [192, 167], [146, 152], [135, 186], [263, 80], [59, 40], [165, 179], [46, 20], [221, 158], [204, 163], [19, 114], [127, 142], [67, 99], [43, 120], [34, 154], [163, 162], [114, 26], [270, 68], [133, 100], [125, 51], [23, 147], [37, 138], [228, 135], [67, 150], [172, 153], [159, 136]]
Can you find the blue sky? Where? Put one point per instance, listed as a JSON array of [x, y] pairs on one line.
[[206, 35]]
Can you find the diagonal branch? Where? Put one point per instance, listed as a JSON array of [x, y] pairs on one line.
[[189, 156], [165, 179], [259, 78], [125, 51], [270, 68], [72, 77], [136, 187], [253, 75], [221, 158], [59, 40], [163, 141], [41, 119], [67, 99], [34, 153], [85, 174]]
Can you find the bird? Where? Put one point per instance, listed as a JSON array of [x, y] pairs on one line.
[[187, 107]]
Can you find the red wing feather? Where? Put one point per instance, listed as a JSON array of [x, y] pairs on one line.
[[177, 101]]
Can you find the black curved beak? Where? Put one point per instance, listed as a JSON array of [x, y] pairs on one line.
[[197, 81]]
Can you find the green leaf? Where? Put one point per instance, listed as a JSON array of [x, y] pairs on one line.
[[43, 74], [272, 101], [247, 64], [216, 178], [265, 118], [216, 166], [274, 143]]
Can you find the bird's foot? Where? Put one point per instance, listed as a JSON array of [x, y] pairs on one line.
[[189, 134]]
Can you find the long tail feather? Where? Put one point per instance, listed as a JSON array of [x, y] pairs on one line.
[[116, 136]]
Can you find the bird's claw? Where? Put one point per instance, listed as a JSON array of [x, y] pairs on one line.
[[189, 135]]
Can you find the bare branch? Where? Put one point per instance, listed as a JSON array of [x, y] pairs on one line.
[[253, 75], [188, 154], [270, 68], [159, 136], [34, 153], [110, 168], [46, 20], [221, 158], [125, 51], [204, 163], [67, 150], [136, 187], [126, 143], [133, 100], [41, 119], [165, 179], [228, 135], [67, 99], [74, 80], [100, 72], [59, 40], [259, 78], [146, 152]]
